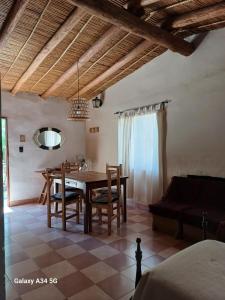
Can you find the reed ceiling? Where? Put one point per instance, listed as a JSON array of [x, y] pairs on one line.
[[40, 20]]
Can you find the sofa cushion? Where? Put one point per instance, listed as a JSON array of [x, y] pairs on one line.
[[170, 209], [183, 189], [213, 194]]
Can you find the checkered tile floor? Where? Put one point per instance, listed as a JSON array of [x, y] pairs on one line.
[[86, 267]]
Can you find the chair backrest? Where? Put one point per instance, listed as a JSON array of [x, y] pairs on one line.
[[113, 176], [70, 167], [120, 167]]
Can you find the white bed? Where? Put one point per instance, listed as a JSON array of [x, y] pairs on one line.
[[196, 273]]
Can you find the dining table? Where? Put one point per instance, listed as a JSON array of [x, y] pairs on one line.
[[87, 181]]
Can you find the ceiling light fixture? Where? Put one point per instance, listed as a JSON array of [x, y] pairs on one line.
[[79, 106]]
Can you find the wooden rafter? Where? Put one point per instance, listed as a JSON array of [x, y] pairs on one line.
[[64, 52], [148, 2], [123, 19], [73, 19], [13, 17], [108, 82], [27, 41], [102, 42], [98, 45], [121, 63], [200, 15]]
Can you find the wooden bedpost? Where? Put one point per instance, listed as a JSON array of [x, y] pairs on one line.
[[138, 256], [204, 225]]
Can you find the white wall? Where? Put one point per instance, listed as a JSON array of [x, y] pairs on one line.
[[27, 113], [196, 122]]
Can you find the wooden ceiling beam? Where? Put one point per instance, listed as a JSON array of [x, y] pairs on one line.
[[118, 65], [148, 2], [92, 51], [12, 19], [200, 15], [73, 19], [124, 20]]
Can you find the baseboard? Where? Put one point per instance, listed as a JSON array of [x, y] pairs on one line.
[[23, 201]]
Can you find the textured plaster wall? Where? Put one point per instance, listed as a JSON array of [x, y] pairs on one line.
[[25, 114], [196, 115]]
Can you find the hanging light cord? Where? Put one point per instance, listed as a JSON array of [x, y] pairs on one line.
[[78, 80]]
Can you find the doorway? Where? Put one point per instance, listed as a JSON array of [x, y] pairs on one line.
[[5, 162]]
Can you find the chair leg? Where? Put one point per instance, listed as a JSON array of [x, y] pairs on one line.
[[90, 218], [81, 202], [118, 215], [109, 220], [78, 211], [49, 216], [56, 207], [99, 216], [64, 217]]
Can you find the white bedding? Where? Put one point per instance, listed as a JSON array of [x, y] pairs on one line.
[[196, 273]]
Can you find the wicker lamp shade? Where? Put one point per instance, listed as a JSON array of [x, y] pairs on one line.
[[78, 110]]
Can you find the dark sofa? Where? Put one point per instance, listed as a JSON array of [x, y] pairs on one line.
[[188, 197]]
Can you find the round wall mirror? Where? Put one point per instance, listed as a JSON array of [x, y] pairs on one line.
[[48, 138]]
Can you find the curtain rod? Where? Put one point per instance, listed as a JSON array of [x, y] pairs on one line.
[[140, 107]]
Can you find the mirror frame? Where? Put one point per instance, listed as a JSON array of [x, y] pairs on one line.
[[39, 131]]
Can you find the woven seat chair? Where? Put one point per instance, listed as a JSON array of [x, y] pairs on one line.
[[64, 198], [108, 200], [104, 190], [72, 167]]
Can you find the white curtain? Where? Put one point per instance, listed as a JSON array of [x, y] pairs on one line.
[[140, 151]]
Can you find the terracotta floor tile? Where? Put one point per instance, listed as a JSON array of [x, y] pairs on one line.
[[70, 251], [168, 252], [122, 244], [128, 296], [138, 227], [59, 270], [23, 288], [116, 286], [88, 266], [22, 268], [73, 284], [49, 291], [155, 245], [104, 252], [38, 250], [92, 293], [152, 261], [48, 259], [60, 243], [50, 236], [131, 272], [11, 292], [84, 260], [15, 258], [78, 237], [146, 252], [120, 261], [138, 218], [99, 272], [90, 244]]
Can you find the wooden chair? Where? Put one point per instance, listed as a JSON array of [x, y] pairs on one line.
[[105, 189], [64, 198], [110, 200], [72, 167]]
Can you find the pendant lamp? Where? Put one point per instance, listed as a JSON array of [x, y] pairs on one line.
[[78, 107]]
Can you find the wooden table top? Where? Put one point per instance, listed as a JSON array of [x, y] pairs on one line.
[[88, 176]]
